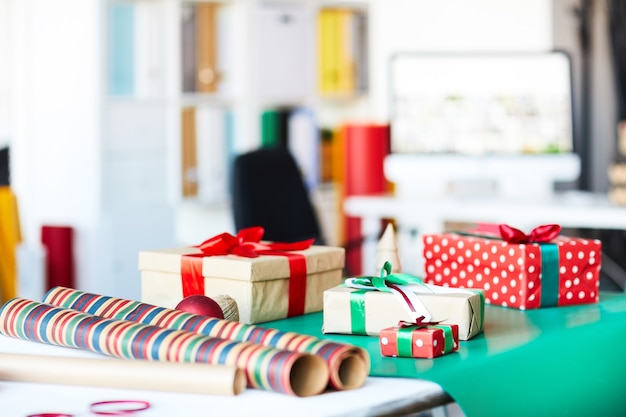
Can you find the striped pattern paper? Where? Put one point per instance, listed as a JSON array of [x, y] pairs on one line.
[[265, 367], [336, 355]]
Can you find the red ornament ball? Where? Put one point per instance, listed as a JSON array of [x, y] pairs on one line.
[[201, 305]]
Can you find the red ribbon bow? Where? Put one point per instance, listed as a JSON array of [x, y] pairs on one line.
[[419, 323], [540, 234], [248, 244]]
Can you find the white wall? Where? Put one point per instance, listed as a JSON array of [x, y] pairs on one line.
[[5, 91], [56, 77]]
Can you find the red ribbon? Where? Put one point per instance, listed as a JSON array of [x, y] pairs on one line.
[[540, 234], [418, 323], [248, 244]]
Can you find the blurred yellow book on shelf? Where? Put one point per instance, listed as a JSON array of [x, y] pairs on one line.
[[207, 77], [10, 237], [189, 159], [341, 44], [345, 57], [328, 50], [338, 175]]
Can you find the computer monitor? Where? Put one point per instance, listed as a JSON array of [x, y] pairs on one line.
[[481, 103], [499, 120]]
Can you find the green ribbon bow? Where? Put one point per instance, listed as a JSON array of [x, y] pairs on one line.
[[381, 283], [369, 283]]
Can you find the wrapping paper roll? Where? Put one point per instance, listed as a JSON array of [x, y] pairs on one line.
[[195, 378], [265, 368], [348, 365], [59, 244], [10, 237]]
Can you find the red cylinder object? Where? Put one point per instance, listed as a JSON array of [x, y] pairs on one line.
[[59, 244], [366, 146]]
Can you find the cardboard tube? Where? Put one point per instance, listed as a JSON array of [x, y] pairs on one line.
[[196, 378], [351, 369]]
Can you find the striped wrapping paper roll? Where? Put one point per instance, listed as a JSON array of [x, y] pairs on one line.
[[265, 368], [348, 365]]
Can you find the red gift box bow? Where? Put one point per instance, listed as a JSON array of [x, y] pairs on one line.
[[540, 234], [248, 244]]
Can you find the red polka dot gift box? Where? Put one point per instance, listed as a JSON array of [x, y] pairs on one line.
[[541, 269], [419, 341]]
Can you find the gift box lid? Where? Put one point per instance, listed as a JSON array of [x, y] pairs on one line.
[[263, 268]]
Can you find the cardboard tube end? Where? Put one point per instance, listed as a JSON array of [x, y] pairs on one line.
[[309, 375], [352, 372], [239, 382]]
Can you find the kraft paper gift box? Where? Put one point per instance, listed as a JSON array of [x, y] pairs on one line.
[[542, 269], [261, 286], [349, 310], [419, 341]]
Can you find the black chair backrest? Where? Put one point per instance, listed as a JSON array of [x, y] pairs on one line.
[[268, 191], [4, 167]]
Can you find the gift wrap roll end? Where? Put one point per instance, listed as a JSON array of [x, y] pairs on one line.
[[309, 376], [229, 307], [352, 371]]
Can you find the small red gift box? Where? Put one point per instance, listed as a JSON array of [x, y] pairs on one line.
[[419, 341], [515, 270]]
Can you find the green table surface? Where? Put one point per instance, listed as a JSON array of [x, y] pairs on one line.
[[565, 361]]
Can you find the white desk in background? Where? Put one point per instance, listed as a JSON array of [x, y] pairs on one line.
[[569, 209], [378, 397]]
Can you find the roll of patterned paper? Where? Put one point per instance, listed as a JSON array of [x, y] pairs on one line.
[[10, 237], [59, 244], [348, 365], [195, 378], [265, 367]]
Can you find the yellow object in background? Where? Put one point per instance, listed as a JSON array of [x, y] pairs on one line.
[[10, 237], [207, 76], [340, 43], [346, 67], [328, 50]]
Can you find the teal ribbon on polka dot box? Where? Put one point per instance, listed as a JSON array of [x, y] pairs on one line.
[[541, 269]]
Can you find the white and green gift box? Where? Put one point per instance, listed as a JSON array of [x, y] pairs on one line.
[[366, 305]]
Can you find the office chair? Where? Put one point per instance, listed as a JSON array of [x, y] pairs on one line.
[[268, 190]]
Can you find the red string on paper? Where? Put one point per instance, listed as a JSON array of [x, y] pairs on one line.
[[127, 407], [50, 415], [134, 406]]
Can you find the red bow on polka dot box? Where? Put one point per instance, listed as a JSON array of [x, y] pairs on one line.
[[419, 340], [541, 269]]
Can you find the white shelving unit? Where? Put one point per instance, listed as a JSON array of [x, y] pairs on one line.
[[273, 64], [108, 162]]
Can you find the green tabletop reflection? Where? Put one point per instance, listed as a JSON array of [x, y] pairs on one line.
[[565, 361]]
